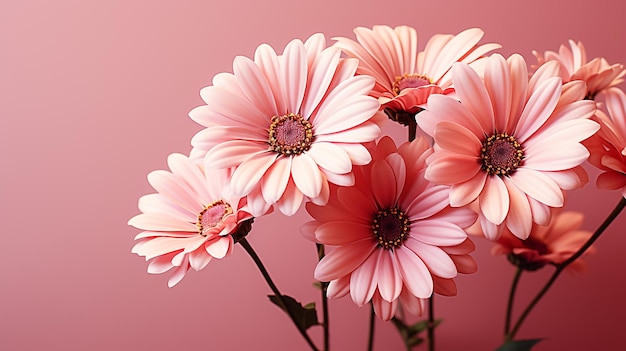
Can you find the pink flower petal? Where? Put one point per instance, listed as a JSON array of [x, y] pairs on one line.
[[443, 107], [254, 85], [346, 115], [343, 260], [538, 109], [291, 200], [293, 74], [455, 49], [494, 200], [556, 156], [166, 184], [498, 84], [384, 191], [330, 157], [416, 277], [362, 206], [220, 248], [306, 175], [198, 259], [342, 233], [362, 133], [322, 72], [159, 204], [437, 232], [389, 277], [431, 201], [357, 153], [340, 98], [384, 310], [178, 275], [364, 278], [449, 168], [267, 60], [232, 153], [159, 222], [339, 287], [519, 220], [249, 173], [458, 139], [437, 261], [473, 95], [463, 193], [275, 181], [538, 186], [611, 181]]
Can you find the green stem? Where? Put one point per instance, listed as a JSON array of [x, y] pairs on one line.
[[370, 339], [509, 307], [246, 245], [431, 323], [560, 267], [324, 286], [412, 126]]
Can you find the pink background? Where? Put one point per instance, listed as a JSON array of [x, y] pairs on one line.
[[94, 95]]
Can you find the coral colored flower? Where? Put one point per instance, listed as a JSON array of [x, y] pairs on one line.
[[404, 77], [189, 221], [597, 73], [512, 144], [395, 237], [289, 124], [551, 244], [608, 146]]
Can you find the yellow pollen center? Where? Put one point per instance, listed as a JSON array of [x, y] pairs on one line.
[[412, 80], [501, 154], [390, 227], [212, 215], [290, 134]]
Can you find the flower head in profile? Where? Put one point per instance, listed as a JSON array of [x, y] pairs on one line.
[[405, 77], [608, 146], [189, 221], [597, 73], [288, 124], [512, 144], [395, 237], [551, 244]]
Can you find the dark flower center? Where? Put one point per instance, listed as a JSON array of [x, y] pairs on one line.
[[390, 227], [410, 81], [501, 154], [212, 215], [290, 134], [536, 245]]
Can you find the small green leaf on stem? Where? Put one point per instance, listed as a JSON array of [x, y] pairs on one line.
[[518, 345], [305, 316]]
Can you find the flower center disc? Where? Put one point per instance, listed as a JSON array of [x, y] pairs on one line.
[[390, 227], [290, 134], [501, 154], [212, 215], [410, 81]]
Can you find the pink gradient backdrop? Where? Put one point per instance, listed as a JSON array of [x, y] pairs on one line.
[[94, 95]]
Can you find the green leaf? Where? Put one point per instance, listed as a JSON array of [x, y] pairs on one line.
[[305, 316], [414, 341], [518, 345], [421, 326]]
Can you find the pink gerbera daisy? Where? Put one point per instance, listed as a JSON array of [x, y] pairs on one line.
[[404, 77], [597, 73], [551, 244], [608, 146], [512, 144], [396, 238], [289, 124], [189, 221]]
